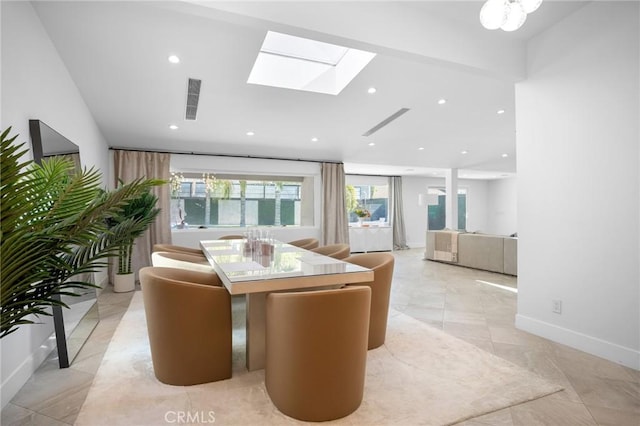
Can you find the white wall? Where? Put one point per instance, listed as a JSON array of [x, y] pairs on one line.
[[502, 196], [415, 216], [477, 204], [577, 120], [37, 85]]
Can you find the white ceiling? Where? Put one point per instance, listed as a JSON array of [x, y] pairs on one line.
[[116, 52]]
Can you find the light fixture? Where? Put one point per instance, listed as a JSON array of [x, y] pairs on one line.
[[371, 143], [250, 133], [176, 183], [442, 101], [463, 152], [530, 5], [516, 17], [421, 149], [174, 59], [500, 111], [314, 139], [210, 183], [372, 90], [509, 15], [505, 155], [173, 127], [494, 13]]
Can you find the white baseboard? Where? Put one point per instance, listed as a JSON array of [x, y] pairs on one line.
[[592, 345], [12, 384]]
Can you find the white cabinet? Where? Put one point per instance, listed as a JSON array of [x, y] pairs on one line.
[[371, 238]]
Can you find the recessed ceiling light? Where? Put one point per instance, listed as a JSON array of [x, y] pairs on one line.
[[442, 101], [371, 90], [371, 143], [173, 127], [174, 59], [464, 152], [421, 149], [500, 111], [314, 139], [250, 133], [505, 155]]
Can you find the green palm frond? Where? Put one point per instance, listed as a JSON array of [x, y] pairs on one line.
[[138, 214], [54, 227]]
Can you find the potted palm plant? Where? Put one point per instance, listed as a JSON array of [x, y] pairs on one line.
[[53, 231], [141, 212]]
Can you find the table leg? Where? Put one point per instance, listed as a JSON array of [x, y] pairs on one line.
[[256, 330]]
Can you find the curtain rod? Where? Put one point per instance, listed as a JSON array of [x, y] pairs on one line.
[[362, 174], [257, 157]]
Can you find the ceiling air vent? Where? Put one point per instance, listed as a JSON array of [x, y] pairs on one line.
[[386, 121], [193, 95]]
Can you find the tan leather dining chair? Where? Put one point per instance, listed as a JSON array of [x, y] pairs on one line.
[[382, 266], [181, 260], [316, 351], [337, 251], [305, 243], [177, 249], [189, 324], [231, 237]]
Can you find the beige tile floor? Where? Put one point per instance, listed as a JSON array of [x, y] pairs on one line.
[[455, 299]]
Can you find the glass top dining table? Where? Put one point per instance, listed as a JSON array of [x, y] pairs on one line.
[[258, 268], [283, 267]]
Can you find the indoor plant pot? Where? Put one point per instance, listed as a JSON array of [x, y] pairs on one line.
[[124, 282]]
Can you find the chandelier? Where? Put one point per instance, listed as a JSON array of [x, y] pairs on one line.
[[210, 182], [176, 183], [508, 15]]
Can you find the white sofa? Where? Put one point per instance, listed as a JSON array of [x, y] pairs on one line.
[[494, 253]]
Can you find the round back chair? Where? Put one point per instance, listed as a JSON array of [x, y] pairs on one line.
[[306, 243], [189, 323], [382, 266], [337, 251], [231, 237], [177, 249], [181, 260], [316, 351]]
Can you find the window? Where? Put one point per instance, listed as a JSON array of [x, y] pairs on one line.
[[208, 201], [370, 193], [437, 212]]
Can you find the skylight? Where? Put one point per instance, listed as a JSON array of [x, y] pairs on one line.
[[302, 64]]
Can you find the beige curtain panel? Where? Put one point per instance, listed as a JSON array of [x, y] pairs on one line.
[[335, 223], [397, 215], [131, 165]]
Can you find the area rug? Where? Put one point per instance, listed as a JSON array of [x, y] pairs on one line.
[[421, 375]]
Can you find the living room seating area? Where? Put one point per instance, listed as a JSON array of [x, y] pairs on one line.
[[495, 253]]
